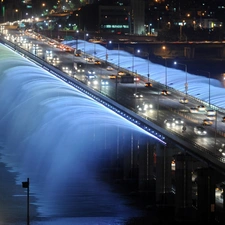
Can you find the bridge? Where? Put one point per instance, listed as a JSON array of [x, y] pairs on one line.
[[167, 146]]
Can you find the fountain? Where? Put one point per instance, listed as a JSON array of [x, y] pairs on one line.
[[56, 136]]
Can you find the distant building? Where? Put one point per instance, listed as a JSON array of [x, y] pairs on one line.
[[122, 17], [115, 19], [138, 16]]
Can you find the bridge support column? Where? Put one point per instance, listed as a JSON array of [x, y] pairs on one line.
[[183, 199], [206, 196], [146, 182], [164, 194], [130, 153]]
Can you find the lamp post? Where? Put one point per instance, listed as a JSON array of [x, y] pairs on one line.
[[150, 29], [26, 184], [209, 84], [165, 73], [148, 68], [138, 51], [118, 67], [106, 54], [85, 35], [133, 62], [186, 83], [118, 53]]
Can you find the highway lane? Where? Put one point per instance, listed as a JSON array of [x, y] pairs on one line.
[[163, 107]]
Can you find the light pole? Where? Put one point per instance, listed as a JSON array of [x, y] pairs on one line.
[[166, 72], [150, 29], [133, 62], [85, 35], [118, 53], [118, 48], [146, 53], [186, 83], [138, 51], [148, 68], [106, 54], [209, 84]]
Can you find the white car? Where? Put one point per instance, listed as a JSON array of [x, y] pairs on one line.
[[104, 82], [144, 106], [193, 110], [183, 100], [201, 108], [200, 130], [178, 121], [138, 95], [211, 112], [91, 72], [109, 68], [170, 123]]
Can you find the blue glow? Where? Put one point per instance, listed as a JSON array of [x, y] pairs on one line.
[[198, 86], [55, 135]]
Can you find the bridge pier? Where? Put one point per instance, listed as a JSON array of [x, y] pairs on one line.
[[206, 196], [183, 200], [146, 181], [164, 195]]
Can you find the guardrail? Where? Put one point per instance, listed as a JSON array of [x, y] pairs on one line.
[[149, 125]]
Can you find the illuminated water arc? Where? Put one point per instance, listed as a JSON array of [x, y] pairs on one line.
[[54, 134], [175, 76]]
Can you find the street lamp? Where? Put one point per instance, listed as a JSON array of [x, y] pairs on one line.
[[209, 84], [165, 72], [164, 48], [186, 83], [118, 53], [85, 35], [150, 29], [138, 51], [146, 53], [106, 54]]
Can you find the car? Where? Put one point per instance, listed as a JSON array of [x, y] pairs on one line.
[[183, 100], [211, 117], [193, 110], [201, 108], [104, 82], [144, 106], [148, 84], [92, 81], [121, 73], [207, 122], [109, 68], [138, 95], [112, 76], [97, 62], [200, 130], [164, 92], [169, 123], [89, 59], [91, 72], [211, 112], [90, 76], [178, 121]]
